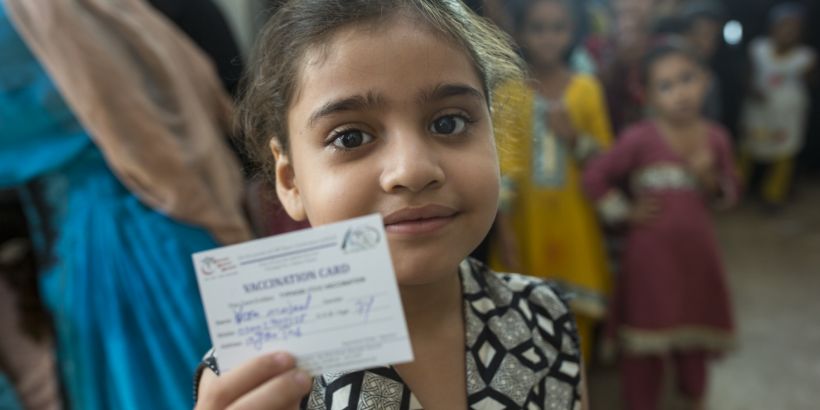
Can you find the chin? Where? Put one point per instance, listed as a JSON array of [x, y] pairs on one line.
[[427, 263]]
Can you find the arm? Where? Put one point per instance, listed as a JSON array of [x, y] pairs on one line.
[[604, 174], [596, 135]]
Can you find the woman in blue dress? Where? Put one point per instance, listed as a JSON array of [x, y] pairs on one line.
[[115, 273]]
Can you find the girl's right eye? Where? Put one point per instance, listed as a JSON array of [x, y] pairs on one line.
[[351, 139]]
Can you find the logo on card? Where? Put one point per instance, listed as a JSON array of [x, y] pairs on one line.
[[211, 265], [360, 238]]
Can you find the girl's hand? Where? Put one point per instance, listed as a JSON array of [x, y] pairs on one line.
[[269, 382], [644, 210], [702, 163], [558, 120]]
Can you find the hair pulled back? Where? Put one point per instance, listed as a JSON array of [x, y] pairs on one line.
[[269, 87], [663, 47]]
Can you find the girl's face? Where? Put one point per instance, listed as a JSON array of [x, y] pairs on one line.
[[394, 120], [787, 32], [546, 33], [703, 36], [677, 86], [633, 15]]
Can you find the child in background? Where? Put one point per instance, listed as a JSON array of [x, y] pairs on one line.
[[660, 179], [618, 57], [383, 106], [775, 113], [700, 23], [546, 227], [704, 25]]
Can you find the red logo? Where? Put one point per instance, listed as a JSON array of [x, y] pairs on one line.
[[211, 265]]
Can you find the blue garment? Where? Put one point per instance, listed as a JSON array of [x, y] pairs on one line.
[[8, 396], [116, 275]]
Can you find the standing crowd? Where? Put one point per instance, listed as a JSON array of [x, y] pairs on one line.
[[612, 158]]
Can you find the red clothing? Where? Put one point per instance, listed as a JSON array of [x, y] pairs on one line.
[[642, 378], [671, 294], [624, 95]]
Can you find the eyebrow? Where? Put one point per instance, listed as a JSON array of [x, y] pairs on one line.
[[369, 101], [374, 101], [443, 91]]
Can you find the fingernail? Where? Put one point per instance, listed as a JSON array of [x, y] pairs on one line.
[[281, 359], [302, 378]]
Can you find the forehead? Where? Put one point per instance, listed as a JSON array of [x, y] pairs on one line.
[[395, 60], [671, 65]]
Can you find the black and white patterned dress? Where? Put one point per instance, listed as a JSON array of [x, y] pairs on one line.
[[522, 353]]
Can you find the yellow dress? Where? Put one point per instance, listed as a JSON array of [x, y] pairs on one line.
[[558, 233]]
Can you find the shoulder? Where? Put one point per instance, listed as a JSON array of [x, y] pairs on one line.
[[537, 308], [720, 135], [584, 86], [637, 133], [585, 82]]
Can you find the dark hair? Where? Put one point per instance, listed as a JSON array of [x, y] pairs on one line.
[[790, 9], [709, 9], [664, 47], [272, 81]]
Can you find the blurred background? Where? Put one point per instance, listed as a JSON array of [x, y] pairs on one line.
[[770, 244]]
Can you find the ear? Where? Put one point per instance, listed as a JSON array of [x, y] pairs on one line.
[[286, 188]]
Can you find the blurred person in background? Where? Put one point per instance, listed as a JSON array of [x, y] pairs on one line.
[[545, 225], [618, 56], [703, 31], [112, 131], [776, 109], [700, 23], [671, 302]]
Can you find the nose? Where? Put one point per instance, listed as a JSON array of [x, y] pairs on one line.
[[412, 163]]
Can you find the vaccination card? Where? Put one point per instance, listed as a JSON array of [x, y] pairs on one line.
[[326, 295]]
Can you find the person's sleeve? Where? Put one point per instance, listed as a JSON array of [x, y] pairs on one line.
[[604, 176], [596, 133], [208, 362]]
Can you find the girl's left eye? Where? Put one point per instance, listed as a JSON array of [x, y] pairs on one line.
[[351, 139], [449, 124]]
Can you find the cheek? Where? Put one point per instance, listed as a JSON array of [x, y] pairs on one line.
[[475, 176], [333, 194]]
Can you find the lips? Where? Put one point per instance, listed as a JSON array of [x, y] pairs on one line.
[[420, 220]]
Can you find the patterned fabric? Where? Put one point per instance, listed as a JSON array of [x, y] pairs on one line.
[[521, 346], [549, 154], [662, 176], [522, 352]]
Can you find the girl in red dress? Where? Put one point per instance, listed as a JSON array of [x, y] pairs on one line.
[[671, 304]]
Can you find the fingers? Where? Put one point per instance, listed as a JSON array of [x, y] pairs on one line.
[[280, 393], [246, 378]]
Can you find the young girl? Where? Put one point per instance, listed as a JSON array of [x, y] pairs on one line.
[[774, 117], [365, 106], [546, 227], [671, 300]]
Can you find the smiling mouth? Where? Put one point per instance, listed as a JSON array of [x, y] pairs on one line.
[[419, 221]]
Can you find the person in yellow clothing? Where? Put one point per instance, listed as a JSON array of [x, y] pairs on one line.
[[548, 130]]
